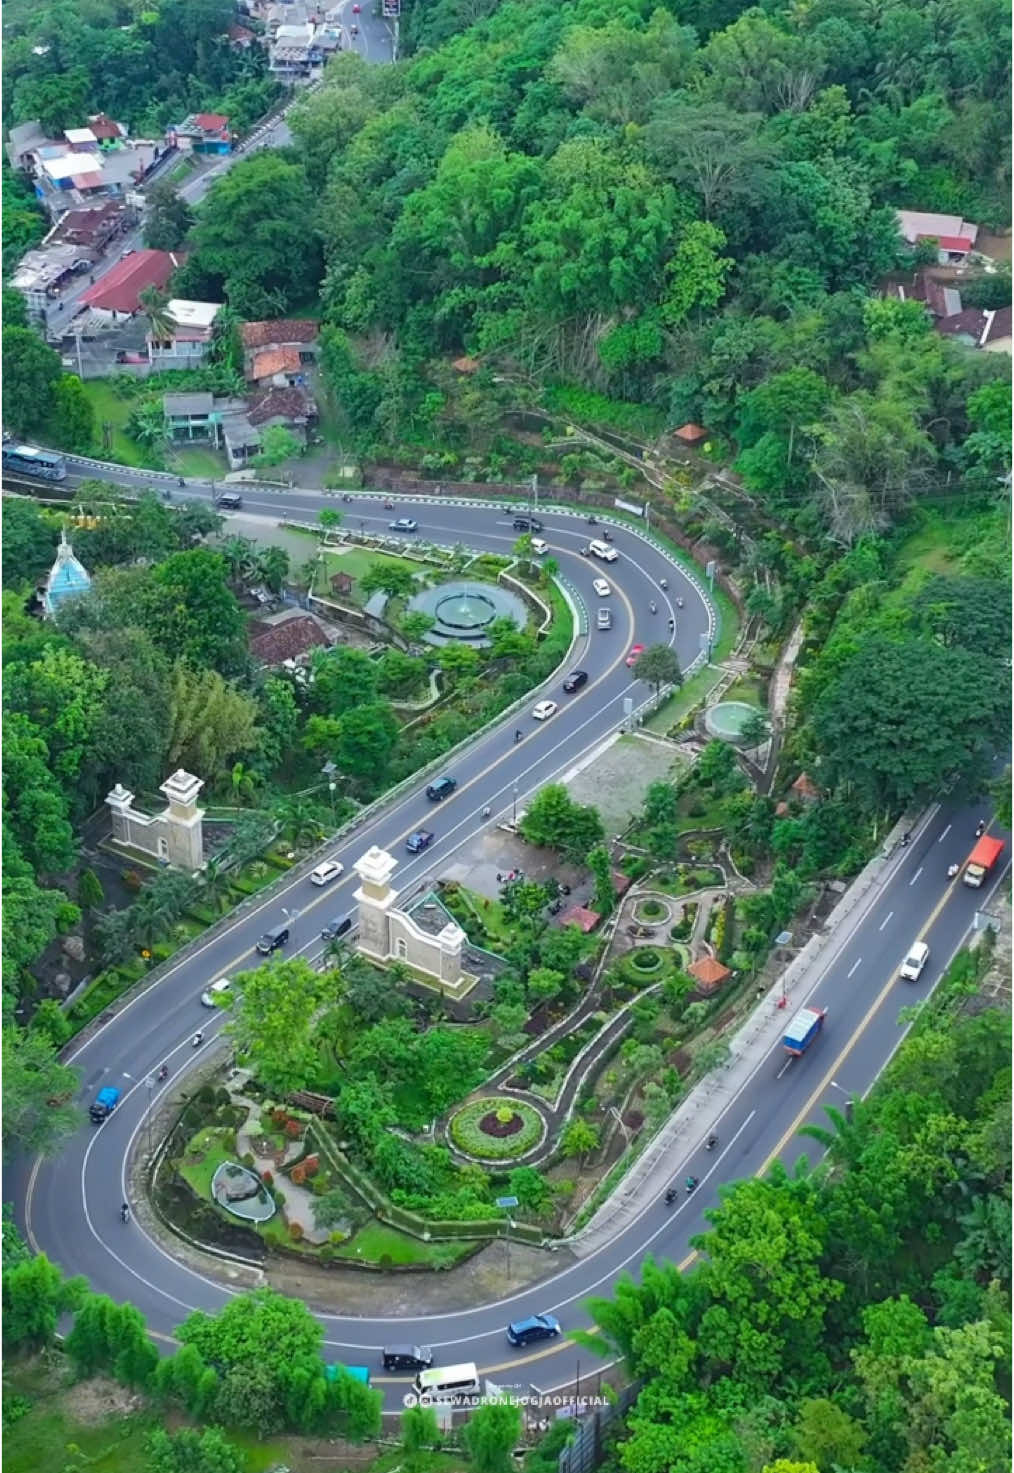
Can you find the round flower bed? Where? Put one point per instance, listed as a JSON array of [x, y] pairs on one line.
[[652, 910], [645, 961], [496, 1129]]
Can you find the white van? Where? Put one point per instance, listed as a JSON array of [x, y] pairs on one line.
[[445, 1383], [602, 550]]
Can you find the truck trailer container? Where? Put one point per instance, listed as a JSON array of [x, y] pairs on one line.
[[981, 861], [803, 1029]]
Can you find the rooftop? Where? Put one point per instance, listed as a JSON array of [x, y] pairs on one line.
[[79, 135], [282, 331], [85, 169], [187, 404], [288, 404], [270, 361], [67, 578], [119, 289], [88, 225], [272, 644], [192, 314], [42, 268], [709, 973], [916, 225]]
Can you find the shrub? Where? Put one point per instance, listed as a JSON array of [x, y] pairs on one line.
[[267, 1178], [311, 1165], [279, 1116], [505, 1113], [293, 1129], [467, 1136], [297, 1175], [247, 1159], [295, 1231]]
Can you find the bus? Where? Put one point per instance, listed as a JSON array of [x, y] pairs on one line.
[[34, 462], [446, 1383]]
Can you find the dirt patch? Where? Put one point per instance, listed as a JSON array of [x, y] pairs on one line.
[[98, 1400], [500, 1129], [680, 1061]]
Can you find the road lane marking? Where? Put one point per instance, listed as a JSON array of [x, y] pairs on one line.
[[884, 922], [943, 836], [855, 966], [915, 877]]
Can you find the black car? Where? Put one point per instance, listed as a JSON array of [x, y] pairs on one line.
[[407, 1357], [575, 680], [442, 788], [404, 524], [230, 501], [536, 1327], [527, 524], [273, 939], [337, 926], [420, 840]]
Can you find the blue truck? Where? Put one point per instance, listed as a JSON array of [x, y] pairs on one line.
[[802, 1030], [104, 1103]]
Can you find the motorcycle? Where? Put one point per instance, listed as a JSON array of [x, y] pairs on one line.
[[181, 482], [125, 1213], [980, 828], [163, 1074], [607, 536], [711, 1143], [197, 1040], [167, 494], [389, 506], [586, 552], [679, 603], [670, 1196], [593, 521], [906, 839], [347, 497], [663, 583], [653, 608], [952, 870], [691, 1184], [486, 812]]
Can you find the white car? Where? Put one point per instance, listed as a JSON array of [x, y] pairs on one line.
[[602, 588], [918, 956], [544, 710], [326, 872], [217, 989]]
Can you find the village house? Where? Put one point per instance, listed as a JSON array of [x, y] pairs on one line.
[[117, 294], [190, 331], [955, 237], [276, 353], [82, 166], [201, 133]]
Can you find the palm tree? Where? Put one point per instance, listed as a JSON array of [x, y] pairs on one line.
[[273, 567], [244, 780], [240, 557], [298, 820], [154, 303]]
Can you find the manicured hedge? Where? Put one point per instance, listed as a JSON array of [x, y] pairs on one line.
[[466, 1135]]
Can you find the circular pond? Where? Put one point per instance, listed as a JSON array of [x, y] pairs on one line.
[[496, 1129], [241, 1192], [728, 719], [464, 611]]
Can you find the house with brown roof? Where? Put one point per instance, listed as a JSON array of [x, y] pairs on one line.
[[709, 974], [289, 640], [580, 915], [201, 133], [691, 434], [300, 335], [116, 295], [341, 584], [277, 368], [805, 789], [294, 408]]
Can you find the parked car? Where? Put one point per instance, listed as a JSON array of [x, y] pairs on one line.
[[602, 587], [420, 840], [543, 710], [527, 524], [443, 787], [404, 524], [217, 989], [918, 956], [636, 651], [575, 680], [536, 1327], [329, 870]]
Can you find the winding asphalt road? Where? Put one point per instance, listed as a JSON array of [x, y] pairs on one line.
[[70, 1205]]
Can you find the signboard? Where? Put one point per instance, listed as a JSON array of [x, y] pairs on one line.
[[710, 568], [631, 506], [506, 1202]]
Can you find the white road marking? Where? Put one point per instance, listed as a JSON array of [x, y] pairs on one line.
[[943, 836], [855, 966], [884, 922], [915, 877]]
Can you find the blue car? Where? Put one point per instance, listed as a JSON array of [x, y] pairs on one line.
[[536, 1327], [420, 840]]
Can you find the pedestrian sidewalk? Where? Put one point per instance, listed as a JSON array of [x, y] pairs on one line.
[[697, 1116]]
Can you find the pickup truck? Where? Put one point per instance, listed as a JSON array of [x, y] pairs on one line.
[[981, 861], [104, 1103], [803, 1030]]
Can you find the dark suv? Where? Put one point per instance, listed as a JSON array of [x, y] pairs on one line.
[[527, 524], [407, 1357], [442, 788]]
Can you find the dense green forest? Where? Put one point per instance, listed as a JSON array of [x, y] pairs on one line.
[[145, 67]]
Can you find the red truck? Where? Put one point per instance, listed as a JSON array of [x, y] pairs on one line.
[[981, 861]]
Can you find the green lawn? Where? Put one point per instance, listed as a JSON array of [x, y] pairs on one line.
[[112, 410], [213, 1145], [376, 1240], [356, 561], [198, 460]]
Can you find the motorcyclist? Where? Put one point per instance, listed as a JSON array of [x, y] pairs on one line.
[[679, 603], [906, 839], [125, 1212], [712, 1142], [980, 828], [952, 870], [163, 1073], [653, 608], [691, 1183], [486, 811], [663, 583], [197, 1039], [593, 521], [671, 1196], [518, 735], [608, 536]]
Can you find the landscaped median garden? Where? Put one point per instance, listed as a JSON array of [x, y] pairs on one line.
[[496, 1129]]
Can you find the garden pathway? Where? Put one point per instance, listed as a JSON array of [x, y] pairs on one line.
[[298, 1201]]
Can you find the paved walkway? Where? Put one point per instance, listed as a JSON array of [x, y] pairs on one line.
[[298, 1201]]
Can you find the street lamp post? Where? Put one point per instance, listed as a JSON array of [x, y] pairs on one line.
[[505, 1204], [514, 807]]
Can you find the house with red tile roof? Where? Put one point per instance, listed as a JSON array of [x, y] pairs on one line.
[[292, 638], [116, 295], [201, 133], [708, 974]]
